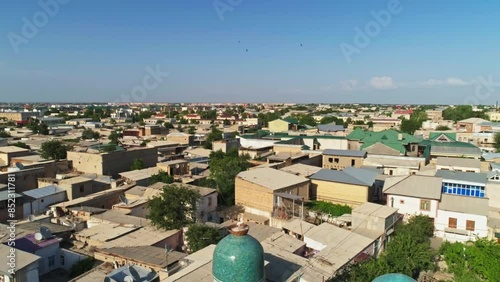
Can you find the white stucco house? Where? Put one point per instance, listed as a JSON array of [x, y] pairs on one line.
[[462, 218]]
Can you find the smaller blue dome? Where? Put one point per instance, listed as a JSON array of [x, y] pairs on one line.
[[394, 277]]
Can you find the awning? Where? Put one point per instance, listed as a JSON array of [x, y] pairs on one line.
[[289, 196]]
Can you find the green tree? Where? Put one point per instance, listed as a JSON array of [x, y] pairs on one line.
[[161, 176], [214, 135], [307, 120], [497, 142], [174, 208], [408, 252], [113, 137], [82, 266], [462, 112], [223, 170], [443, 127], [137, 164], [21, 145], [90, 134], [53, 149], [331, 119], [199, 236], [192, 130], [4, 134]]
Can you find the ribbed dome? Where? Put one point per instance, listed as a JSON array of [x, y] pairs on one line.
[[238, 258], [394, 277]]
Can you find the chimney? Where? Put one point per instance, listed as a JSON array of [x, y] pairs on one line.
[[400, 136]]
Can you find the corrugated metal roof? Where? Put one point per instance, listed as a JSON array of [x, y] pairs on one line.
[[417, 186], [271, 178], [355, 176], [347, 153], [44, 191], [463, 176], [464, 204]]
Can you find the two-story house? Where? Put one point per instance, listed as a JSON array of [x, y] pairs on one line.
[[463, 210], [414, 195]]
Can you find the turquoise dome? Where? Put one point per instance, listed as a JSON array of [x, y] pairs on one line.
[[394, 277], [238, 258]]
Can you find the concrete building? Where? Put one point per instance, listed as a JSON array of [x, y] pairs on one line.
[[352, 186], [470, 125], [394, 165], [340, 159], [38, 200], [9, 152], [140, 176], [26, 266], [462, 218], [6, 204], [283, 125], [414, 195], [19, 116], [181, 138], [458, 164], [264, 191], [175, 167], [112, 163], [226, 145]]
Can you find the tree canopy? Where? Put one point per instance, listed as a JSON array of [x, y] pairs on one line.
[[174, 208], [161, 176], [414, 123], [137, 164], [214, 135], [199, 236], [462, 112], [223, 170], [408, 252], [113, 137], [53, 149], [90, 134], [21, 145]]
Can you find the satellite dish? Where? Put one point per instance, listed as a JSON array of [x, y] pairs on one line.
[[45, 232], [107, 279], [135, 274], [19, 166], [177, 166], [38, 236], [31, 218], [128, 279], [73, 225]]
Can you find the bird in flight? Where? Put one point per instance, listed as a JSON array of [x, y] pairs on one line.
[[247, 50]]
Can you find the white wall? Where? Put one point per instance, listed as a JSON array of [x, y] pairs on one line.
[[206, 209], [70, 258], [45, 253], [441, 222], [411, 206], [40, 205], [310, 243]]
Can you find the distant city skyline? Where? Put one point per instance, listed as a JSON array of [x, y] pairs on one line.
[[395, 52]]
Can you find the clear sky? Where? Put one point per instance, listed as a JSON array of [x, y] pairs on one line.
[[252, 51]]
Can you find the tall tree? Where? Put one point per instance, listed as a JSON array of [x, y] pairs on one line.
[[174, 208], [161, 176], [223, 170], [53, 149], [200, 235], [137, 164]]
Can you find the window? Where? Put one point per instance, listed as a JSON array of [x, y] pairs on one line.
[[470, 225], [52, 260], [62, 259], [41, 200], [330, 160], [81, 188], [353, 162], [425, 205], [452, 222], [336, 160], [390, 172]]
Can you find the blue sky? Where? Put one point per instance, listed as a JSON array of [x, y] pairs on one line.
[[428, 52]]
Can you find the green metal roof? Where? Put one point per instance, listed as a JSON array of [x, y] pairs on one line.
[[435, 135], [291, 120]]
